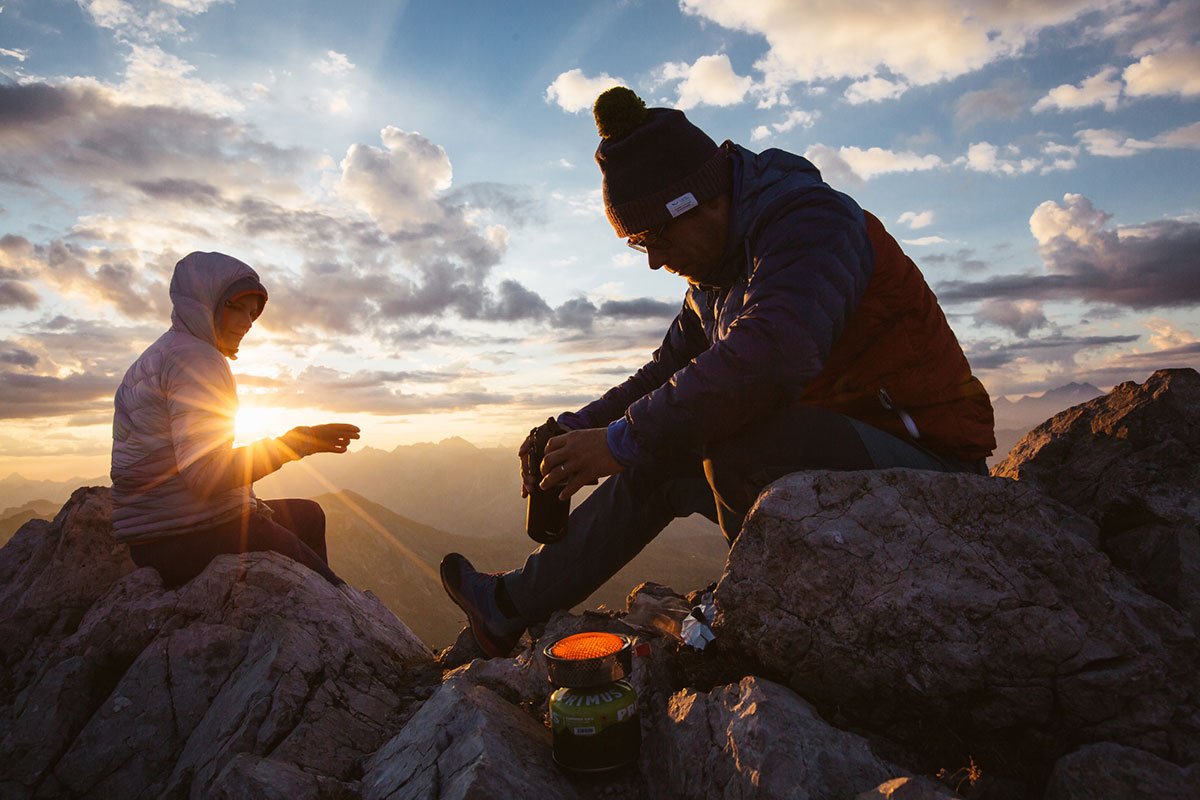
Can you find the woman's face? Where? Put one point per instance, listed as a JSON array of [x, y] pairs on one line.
[[237, 317]]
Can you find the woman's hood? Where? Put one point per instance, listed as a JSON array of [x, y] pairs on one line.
[[200, 283]]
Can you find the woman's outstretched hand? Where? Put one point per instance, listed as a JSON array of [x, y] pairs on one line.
[[332, 437]]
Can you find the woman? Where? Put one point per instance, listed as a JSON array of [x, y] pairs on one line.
[[181, 491]]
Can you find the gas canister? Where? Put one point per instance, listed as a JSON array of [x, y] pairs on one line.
[[593, 709]]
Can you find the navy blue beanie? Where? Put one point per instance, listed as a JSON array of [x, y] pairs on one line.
[[656, 164]]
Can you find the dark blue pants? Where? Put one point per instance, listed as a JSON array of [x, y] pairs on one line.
[[630, 508], [296, 529]]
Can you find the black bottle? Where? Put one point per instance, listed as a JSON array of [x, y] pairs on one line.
[[546, 515]]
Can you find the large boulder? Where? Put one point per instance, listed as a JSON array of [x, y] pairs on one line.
[[1109, 771], [967, 613], [1130, 461], [756, 739], [148, 692]]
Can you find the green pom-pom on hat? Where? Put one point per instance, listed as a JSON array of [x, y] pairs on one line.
[[618, 112]]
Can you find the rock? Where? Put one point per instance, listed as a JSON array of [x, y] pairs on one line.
[[974, 610], [158, 692], [466, 742], [248, 777], [52, 572], [909, 789], [755, 739], [1109, 771], [1130, 461]]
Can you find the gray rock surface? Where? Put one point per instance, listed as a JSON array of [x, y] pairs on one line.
[[1130, 461], [755, 739], [1111, 772], [154, 691], [920, 603], [466, 742]]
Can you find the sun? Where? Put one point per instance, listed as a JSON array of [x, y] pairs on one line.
[[257, 422]]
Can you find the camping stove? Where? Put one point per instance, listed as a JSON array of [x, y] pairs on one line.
[[593, 709]]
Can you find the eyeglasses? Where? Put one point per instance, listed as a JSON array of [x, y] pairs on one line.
[[642, 241]]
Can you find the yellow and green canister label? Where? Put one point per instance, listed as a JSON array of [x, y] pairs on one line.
[[596, 728]]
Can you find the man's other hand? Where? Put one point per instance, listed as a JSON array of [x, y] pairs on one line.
[[332, 437], [581, 457]]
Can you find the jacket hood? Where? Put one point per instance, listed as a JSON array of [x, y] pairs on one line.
[[201, 282]]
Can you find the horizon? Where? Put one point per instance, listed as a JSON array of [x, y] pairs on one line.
[[415, 185]]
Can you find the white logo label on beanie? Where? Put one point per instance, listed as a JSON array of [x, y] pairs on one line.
[[682, 204]]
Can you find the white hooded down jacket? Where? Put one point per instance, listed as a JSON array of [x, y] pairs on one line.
[[174, 467]]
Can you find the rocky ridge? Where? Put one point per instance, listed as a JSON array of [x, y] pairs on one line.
[[1025, 638]]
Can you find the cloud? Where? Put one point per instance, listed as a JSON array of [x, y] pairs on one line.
[[1098, 90], [399, 183], [1113, 144], [860, 165], [709, 81], [1143, 266], [85, 135], [1174, 71], [144, 20], [916, 219], [796, 118], [333, 63], [1005, 100], [574, 93], [1018, 316], [985, 157], [1058, 348], [19, 55], [924, 241], [18, 357], [34, 396], [913, 44], [874, 90]]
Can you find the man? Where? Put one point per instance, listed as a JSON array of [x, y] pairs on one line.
[[807, 340]]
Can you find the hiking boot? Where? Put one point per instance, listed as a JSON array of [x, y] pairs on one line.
[[475, 593]]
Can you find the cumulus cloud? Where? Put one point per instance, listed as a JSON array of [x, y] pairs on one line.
[[144, 20], [985, 157], [1174, 71], [916, 219], [333, 63], [796, 118], [709, 81], [874, 89], [575, 92], [1141, 266], [397, 184], [1099, 90], [854, 165], [1018, 316], [906, 44]]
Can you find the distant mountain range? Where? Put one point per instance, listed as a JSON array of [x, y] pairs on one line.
[[14, 517], [1015, 419]]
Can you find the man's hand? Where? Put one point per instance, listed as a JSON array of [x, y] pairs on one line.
[[581, 457], [332, 437]]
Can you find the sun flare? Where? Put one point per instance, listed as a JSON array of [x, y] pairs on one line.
[[257, 422]]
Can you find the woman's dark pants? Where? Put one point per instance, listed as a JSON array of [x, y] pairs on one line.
[[296, 529]]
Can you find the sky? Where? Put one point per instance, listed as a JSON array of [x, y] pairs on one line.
[[415, 184]]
